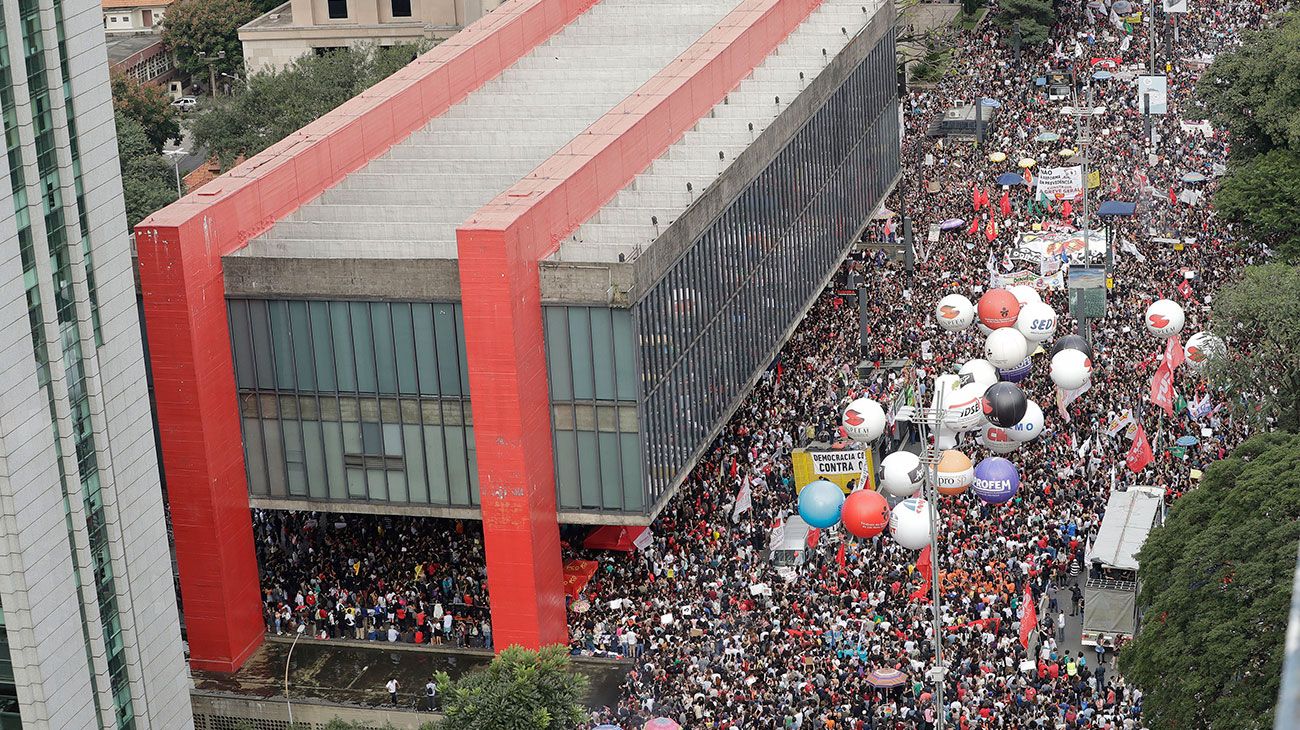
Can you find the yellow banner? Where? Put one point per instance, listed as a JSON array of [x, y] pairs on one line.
[[1094, 179], [840, 467], [1134, 18]]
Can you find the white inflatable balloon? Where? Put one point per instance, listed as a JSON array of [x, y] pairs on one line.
[[981, 370], [1037, 322], [1071, 369], [964, 410], [1006, 348], [1201, 348], [1030, 426], [909, 523], [984, 330], [1164, 318], [998, 440], [864, 420], [1025, 295], [901, 474], [947, 439], [954, 313]]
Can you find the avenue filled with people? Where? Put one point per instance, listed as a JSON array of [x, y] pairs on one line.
[[713, 636]]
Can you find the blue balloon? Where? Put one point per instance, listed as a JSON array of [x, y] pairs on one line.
[[820, 503], [1017, 373], [996, 480]]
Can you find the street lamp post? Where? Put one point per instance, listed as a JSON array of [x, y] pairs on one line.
[[925, 419], [211, 61], [289, 705], [176, 156]]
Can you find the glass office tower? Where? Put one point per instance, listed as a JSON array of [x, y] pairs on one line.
[[91, 636]]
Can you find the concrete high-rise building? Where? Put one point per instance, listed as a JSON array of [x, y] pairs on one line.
[[91, 636]]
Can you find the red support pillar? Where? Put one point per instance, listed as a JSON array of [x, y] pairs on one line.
[[506, 353], [202, 451]]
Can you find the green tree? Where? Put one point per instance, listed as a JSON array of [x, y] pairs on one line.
[[275, 104], [970, 7], [1216, 589], [148, 105], [519, 690], [148, 180], [1254, 91], [1259, 316], [1034, 18], [1263, 194], [211, 27]]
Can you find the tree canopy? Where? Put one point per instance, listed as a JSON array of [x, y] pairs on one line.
[[1254, 91], [210, 27], [1216, 587], [150, 106], [148, 179], [1259, 316], [1034, 18], [1263, 194], [275, 104], [519, 690]]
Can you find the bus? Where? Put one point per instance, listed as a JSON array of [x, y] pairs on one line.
[[1110, 590]]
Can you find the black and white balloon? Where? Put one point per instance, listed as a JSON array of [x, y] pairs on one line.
[[1004, 404]]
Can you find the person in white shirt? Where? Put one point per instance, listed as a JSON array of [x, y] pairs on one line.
[[391, 686]]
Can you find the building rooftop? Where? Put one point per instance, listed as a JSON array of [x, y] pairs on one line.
[[641, 211], [128, 4], [122, 46], [408, 202]]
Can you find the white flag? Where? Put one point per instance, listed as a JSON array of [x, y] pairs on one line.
[[744, 500]]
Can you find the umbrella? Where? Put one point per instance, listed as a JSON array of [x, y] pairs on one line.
[[1065, 152], [951, 223], [1194, 177], [884, 215], [661, 723], [1122, 7], [1027, 162], [1103, 76], [886, 678], [991, 103], [998, 157], [1187, 441], [1010, 178], [582, 606], [1047, 137]]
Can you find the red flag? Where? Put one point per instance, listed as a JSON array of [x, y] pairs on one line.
[[1028, 619], [1173, 197], [1185, 289], [839, 556], [1162, 388], [1005, 204], [1174, 354], [984, 198], [923, 565], [991, 231], [975, 197], [1066, 209], [1139, 454], [974, 227]]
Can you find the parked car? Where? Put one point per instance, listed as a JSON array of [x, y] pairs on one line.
[[185, 103]]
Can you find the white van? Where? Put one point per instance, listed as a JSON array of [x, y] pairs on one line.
[[787, 554]]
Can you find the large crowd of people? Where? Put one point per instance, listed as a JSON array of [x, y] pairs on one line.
[[715, 638], [799, 654]]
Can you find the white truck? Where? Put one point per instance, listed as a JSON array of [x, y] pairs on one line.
[[788, 546], [1110, 590]]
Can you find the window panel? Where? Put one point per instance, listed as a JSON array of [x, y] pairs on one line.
[[241, 339], [633, 489], [303, 354], [611, 472], [385, 358], [404, 336], [364, 345], [602, 343], [457, 463], [624, 356], [559, 372], [435, 452], [255, 458], [417, 480], [580, 352], [445, 336], [282, 341], [275, 465], [460, 350], [566, 469], [425, 352], [589, 468], [344, 359], [295, 458], [322, 343], [262, 352]]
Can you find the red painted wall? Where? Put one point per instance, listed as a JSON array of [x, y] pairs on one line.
[[499, 250], [180, 250]]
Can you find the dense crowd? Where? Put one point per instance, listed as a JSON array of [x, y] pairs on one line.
[[798, 654], [716, 639]]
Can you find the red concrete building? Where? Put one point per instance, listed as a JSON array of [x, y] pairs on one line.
[[524, 280]]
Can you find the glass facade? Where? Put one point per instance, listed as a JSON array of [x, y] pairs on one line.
[[355, 401], [719, 312], [591, 363], [97, 578]]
